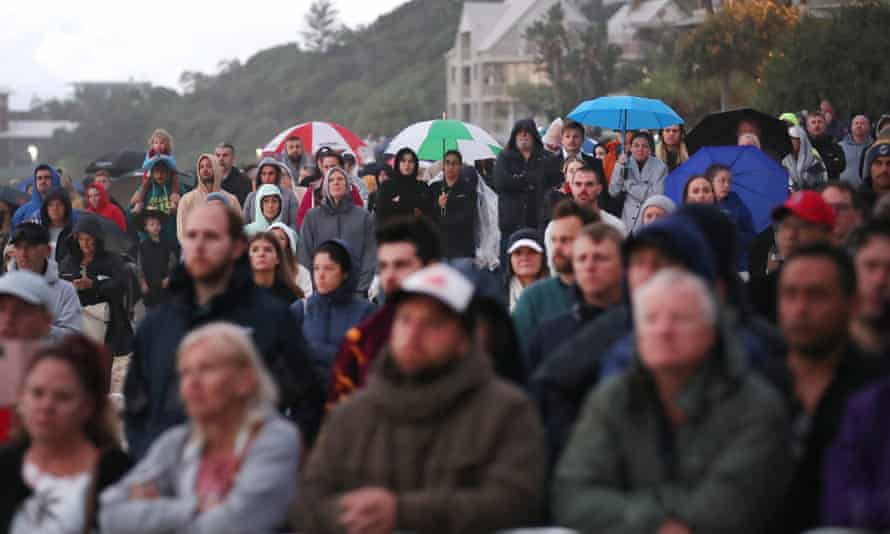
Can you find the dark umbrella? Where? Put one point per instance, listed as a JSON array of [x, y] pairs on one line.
[[116, 240], [719, 129], [117, 163], [13, 196]]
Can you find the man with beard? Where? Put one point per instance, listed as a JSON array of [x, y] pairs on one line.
[[817, 301], [295, 156], [214, 284], [871, 327], [831, 152], [405, 245], [210, 175], [234, 181], [876, 183], [546, 299]]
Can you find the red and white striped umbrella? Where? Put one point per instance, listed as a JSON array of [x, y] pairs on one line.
[[316, 135]]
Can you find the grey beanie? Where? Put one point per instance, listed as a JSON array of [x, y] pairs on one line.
[[661, 201]]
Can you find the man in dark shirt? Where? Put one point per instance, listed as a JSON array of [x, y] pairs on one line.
[[455, 214]]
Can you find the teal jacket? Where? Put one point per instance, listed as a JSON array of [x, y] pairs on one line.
[[539, 302]]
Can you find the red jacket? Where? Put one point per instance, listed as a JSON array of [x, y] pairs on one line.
[[357, 352], [106, 209]]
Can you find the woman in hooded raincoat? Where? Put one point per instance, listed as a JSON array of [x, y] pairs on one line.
[[268, 208], [339, 218]]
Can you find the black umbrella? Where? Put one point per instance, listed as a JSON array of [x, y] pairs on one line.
[[719, 129], [117, 163], [13, 196], [116, 240]]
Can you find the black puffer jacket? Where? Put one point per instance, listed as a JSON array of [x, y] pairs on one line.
[[521, 184], [832, 155], [402, 194]]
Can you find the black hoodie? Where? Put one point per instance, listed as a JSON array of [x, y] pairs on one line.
[[63, 243], [401, 194], [520, 183]]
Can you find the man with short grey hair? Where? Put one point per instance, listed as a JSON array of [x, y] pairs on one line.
[[669, 416], [854, 144]]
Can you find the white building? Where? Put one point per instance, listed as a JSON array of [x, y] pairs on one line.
[[637, 15], [490, 54]]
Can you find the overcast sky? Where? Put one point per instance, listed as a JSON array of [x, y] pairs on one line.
[[45, 45]]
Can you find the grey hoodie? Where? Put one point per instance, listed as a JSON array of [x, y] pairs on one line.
[[853, 153], [347, 222], [65, 302]]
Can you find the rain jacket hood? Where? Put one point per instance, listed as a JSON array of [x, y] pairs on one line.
[[261, 224], [103, 199], [32, 208], [217, 173], [288, 231], [61, 195], [168, 161], [91, 227], [677, 237], [281, 168], [326, 194], [397, 174], [529, 126]]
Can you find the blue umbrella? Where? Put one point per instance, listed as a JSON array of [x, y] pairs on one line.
[[756, 178], [625, 113]]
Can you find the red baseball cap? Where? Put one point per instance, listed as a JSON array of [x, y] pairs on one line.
[[808, 206]]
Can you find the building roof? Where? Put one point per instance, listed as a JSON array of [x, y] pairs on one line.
[[478, 18], [35, 129], [646, 13], [512, 12]]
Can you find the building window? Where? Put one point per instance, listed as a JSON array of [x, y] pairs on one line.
[[466, 113], [475, 72], [453, 75], [466, 76]]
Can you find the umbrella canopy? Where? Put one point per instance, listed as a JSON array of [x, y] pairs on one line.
[[720, 129], [316, 135], [117, 163], [13, 196], [431, 139], [625, 113], [116, 240], [761, 183]]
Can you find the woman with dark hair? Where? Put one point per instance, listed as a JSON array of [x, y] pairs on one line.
[[731, 205], [384, 174], [68, 450], [99, 278], [57, 216], [637, 178], [269, 268], [698, 190], [333, 309], [287, 238], [526, 263], [403, 194]]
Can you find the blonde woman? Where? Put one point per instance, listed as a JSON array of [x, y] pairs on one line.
[[232, 467]]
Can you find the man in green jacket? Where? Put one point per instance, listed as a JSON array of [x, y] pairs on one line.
[[551, 297], [687, 441]]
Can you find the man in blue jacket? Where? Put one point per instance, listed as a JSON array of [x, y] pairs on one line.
[[45, 179], [214, 284]]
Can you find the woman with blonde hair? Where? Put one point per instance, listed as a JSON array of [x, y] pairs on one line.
[[672, 148], [232, 467]]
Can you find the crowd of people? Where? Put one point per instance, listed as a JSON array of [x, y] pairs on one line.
[[323, 351]]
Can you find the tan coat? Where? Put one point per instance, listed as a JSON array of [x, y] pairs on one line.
[[463, 452], [198, 195]]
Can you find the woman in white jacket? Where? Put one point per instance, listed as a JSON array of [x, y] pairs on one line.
[[638, 178]]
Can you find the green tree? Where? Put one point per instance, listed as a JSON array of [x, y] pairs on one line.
[[841, 58], [323, 29], [737, 39], [579, 64]]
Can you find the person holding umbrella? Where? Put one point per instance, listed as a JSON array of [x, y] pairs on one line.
[[455, 215], [638, 178]]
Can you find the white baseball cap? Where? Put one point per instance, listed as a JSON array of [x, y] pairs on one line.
[[443, 283], [27, 286], [525, 242]]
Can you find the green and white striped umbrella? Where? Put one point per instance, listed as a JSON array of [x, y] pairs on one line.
[[431, 139]]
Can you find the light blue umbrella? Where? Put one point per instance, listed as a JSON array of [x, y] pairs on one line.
[[625, 113]]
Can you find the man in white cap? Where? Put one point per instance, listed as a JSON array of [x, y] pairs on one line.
[[25, 306], [436, 441]]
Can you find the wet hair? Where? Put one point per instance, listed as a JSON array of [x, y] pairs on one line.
[[844, 187], [569, 208], [875, 229], [91, 363], [691, 179], [716, 168], [284, 272], [572, 125], [338, 255], [846, 270], [588, 169], [417, 231], [455, 153]]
